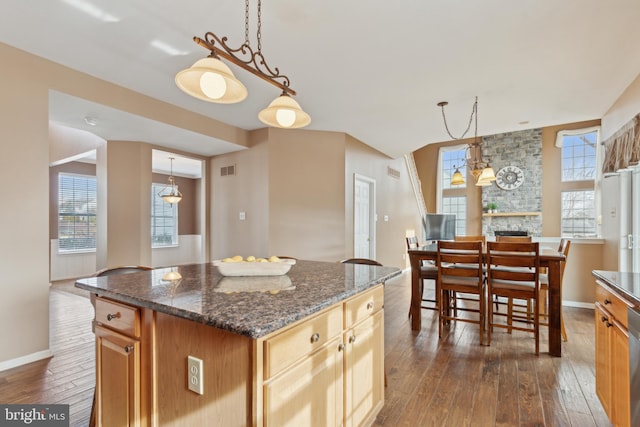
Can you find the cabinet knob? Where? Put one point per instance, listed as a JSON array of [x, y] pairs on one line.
[[128, 348], [370, 306], [607, 301], [341, 347], [352, 339], [315, 338], [110, 316]]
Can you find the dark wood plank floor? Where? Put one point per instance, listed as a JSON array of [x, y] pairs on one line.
[[457, 382], [431, 382]]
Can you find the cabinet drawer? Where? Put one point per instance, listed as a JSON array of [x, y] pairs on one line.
[[612, 303], [284, 349], [363, 306], [119, 317]]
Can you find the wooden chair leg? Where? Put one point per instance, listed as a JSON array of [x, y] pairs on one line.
[[509, 314], [564, 333]]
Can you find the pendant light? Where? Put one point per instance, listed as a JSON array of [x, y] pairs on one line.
[[170, 192], [209, 79], [284, 112], [481, 170]]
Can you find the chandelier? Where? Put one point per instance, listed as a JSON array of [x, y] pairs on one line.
[[479, 167], [170, 193], [211, 80]]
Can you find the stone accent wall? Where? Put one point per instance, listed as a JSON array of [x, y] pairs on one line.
[[524, 150]]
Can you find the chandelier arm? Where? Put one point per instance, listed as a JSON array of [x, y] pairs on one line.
[[255, 62]]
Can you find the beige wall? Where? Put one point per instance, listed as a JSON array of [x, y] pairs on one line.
[[24, 168], [306, 194], [394, 199], [624, 109], [296, 188], [247, 191], [25, 84]]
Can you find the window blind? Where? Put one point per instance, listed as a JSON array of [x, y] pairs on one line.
[[77, 209]]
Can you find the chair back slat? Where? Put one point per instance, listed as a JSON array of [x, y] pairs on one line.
[[412, 242], [452, 256]]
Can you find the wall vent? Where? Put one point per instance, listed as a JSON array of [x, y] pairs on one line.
[[394, 173], [228, 170]]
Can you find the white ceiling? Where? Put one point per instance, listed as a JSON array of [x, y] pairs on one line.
[[374, 69]]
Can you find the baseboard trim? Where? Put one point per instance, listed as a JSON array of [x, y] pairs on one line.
[[29, 358]]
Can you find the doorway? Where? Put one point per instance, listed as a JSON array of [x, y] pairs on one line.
[[364, 221]]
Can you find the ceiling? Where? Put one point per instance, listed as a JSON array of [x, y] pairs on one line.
[[370, 68]]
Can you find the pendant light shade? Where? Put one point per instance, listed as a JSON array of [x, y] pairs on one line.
[[284, 112], [486, 177], [457, 178], [170, 192], [211, 80]]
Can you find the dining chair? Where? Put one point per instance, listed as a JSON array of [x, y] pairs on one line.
[[480, 238], [110, 271], [472, 238], [453, 279], [365, 261], [513, 273], [563, 248], [428, 271], [515, 239]]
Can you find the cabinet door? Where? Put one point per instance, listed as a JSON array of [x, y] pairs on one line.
[[620, 393], [364, 370], [117, 378], [603, 357], [309, 393]]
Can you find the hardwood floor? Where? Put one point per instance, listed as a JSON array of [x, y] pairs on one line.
[[457, 382], [431, 382], [69, 376]]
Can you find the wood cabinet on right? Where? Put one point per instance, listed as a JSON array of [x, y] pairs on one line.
[[612, 354]]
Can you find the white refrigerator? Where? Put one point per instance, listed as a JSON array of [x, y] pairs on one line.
[[629, 208]]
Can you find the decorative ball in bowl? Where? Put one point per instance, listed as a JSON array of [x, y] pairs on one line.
[[252, 266]]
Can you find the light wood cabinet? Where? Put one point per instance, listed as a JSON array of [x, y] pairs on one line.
[[339, 383], [309, 393], [118, 379], [364, 370], [612, 355]]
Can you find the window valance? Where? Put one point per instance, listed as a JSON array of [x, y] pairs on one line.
[[622, 148]]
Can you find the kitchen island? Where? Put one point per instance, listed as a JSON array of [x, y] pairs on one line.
[[305, 348]]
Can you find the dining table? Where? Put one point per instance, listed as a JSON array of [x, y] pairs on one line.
[[549, 258]]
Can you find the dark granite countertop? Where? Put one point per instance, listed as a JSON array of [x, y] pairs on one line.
[[627, 284], [205, 296]]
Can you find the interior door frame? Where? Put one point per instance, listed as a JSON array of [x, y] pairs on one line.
[[372, 212]]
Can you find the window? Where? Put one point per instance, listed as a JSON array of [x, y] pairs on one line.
[[458, 207], [164, 220], [579, 157], [452, 199], [452, 160], [76, 213], [578, 211]]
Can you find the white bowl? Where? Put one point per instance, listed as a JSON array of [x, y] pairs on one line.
[[245, 268]]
